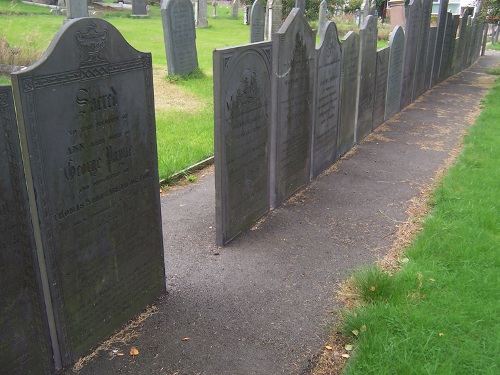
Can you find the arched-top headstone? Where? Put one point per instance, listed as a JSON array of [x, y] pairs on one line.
[[395, 74], [257, 20], [367, 65], [242, 102], [443, 10], [274, 15], [349, 92], [327, 99], [179, 34], [87, 124], [323, 9], [419, 86], [292, 98]]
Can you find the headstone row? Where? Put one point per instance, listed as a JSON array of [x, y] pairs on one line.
[[82, 245], [285, 110]]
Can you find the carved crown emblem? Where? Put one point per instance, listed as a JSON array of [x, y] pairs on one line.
[[92, 42]]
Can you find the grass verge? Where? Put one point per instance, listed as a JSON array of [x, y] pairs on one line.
[[439, 313]]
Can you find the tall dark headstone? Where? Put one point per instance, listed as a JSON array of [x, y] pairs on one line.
[[395, 72], [180, 36], [457, 64], [87, 124], [453, 46], [139, 8], [467, 37], [381, 76], [348, 92], [367, 65], [257, 19], [419, 86], [77, 8], [292, 97], [24, 338], [201, 17], [442, 17], [446, 53], [472, 41], [274, 14], [429, 61], [327, 99], [412, 35], [242, 102], [322, 18]]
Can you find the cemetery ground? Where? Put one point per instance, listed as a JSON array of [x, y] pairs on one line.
[[184, 105], [265, 303]]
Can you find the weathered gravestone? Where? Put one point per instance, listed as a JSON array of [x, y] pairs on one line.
[[412, 34], [419, 86], [236, 5], [202, 20], [452, 49], [274, 15], [327, 100], [446, 52], [429, 61], [242, 102], [382, 71], [348, 92], [77, 8], [86, 116], [301, 4], [139, 8], [257, 20], [214, 9], [442, 17], [367, 64], [472, 41], [24, 338], [467, 38], [395, 72], [292, 102], [246, 15], [180, 36], [323, 9]]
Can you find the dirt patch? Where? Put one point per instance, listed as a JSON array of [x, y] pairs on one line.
[[170, 97]]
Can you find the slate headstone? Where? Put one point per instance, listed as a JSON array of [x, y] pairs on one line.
[[327, 99], [257, 20], [242, 102], [139, 8], [274, 15], [24, 338], [301, 4], [236, 6], [419, 86], [472, 42], [448, 69], [246, 15], [214, 9], [468, 34], [367, 65], [77, 8], [442, 17], [323, 9], [395, 72], [382, 71], [292, 97], [412, 34], [348, 92], [202, 14], [446, 52], [429, 61], [357, 17], [484, 40], [88, 135], [180, 36]]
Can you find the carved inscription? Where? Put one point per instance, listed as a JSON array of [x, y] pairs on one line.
[[257, 22]]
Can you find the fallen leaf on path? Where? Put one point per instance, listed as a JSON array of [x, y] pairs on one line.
[[185, 339], [133, 351], [348, 347], [328, 347], [346, 356]]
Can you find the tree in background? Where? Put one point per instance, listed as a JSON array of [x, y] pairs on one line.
[[491, 8]]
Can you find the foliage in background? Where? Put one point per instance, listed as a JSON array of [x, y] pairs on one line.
[[491, 8]]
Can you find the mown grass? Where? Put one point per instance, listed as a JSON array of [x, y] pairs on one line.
[[184, 137], [439, 313]]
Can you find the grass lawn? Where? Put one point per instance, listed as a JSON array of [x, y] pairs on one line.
[[440, 313], [184, 106]]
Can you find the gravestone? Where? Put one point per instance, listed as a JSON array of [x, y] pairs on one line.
[[484, 40], [257, 19], [139, 8], [180, 36], [24, 338], [412, 34], [367, 64], [274, 15], [357, 17], [292, 102], [77, 8], [348, 92], [442, 17], [472, 42], [323, 9], [395, 72], [419, 86], [382, 71], [242, 102], [327, 100], [365, 11], [453, 46], [202, 14], [301, 4], [467, 37], [87, 124], [429, 61], [246, 16], [214, 9], [236, 6], [446, 53]]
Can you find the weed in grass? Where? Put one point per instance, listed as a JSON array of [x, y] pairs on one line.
[[493, 71], [371, 285]]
